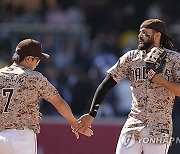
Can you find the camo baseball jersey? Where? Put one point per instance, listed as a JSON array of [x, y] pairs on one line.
[[20, 91], [152, 104]]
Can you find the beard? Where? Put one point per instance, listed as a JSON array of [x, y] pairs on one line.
[[145, 45]]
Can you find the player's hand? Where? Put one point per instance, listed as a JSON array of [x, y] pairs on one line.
[[88, 132], [76, 133], [84, 122]]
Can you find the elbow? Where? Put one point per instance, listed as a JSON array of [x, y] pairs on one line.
[[178, 94]]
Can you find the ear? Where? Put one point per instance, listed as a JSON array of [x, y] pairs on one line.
[[26, 59], [157, 36]]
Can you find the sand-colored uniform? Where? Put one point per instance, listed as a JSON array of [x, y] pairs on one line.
[[20, 91], [152, 104]]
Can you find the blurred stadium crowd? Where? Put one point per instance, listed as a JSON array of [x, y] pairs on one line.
[[78, 64]]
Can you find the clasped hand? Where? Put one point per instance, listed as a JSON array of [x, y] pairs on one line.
[[83, 126]]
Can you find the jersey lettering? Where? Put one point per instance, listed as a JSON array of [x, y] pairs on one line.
[[168, 74], [16, 79], [139, 73]]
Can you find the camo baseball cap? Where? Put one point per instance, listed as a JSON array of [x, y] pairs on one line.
[[31, 47], [157, 25]]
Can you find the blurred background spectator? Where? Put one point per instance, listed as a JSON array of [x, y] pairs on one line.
[[84, 39]]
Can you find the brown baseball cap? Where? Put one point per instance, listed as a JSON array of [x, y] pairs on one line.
[[157, 25], [30, 47]]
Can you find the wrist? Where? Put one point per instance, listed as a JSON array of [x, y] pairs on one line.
[[93, 114], [72, 120]]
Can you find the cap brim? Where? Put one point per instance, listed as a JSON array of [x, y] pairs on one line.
[[45, 55]]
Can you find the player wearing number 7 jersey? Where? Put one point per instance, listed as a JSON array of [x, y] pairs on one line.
[[20, 91]]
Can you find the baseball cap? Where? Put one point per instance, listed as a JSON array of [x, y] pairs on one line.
[[157, 25], [31, 47]]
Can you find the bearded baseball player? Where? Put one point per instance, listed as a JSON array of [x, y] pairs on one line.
[[21, 89], [154, 73]]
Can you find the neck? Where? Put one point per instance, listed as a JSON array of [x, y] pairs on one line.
[[155, 44], [24, 64]]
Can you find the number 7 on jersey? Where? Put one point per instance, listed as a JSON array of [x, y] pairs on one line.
[[7, 92]]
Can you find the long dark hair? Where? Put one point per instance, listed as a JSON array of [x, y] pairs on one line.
[[166, 42]]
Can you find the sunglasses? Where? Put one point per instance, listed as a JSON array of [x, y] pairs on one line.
[[36, 58]]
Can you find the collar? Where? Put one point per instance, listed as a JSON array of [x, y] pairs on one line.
[[20, 66]]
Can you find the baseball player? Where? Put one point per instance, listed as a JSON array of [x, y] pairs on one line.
[[154, 73], [21, 89]]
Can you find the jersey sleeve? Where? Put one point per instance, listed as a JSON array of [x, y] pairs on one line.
[[121, 69], [46, 89]]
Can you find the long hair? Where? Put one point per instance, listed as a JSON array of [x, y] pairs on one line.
[[167, 42]]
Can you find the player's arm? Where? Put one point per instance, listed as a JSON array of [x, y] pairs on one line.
[[50, 94], [63, 108], [107, 84], [155, 62], [86, 120], [172, 87]]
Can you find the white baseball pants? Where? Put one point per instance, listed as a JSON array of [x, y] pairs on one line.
[[130, 145], [14, 141]]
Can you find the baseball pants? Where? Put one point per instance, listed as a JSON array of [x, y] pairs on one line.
[[14, 141], [128, 145]]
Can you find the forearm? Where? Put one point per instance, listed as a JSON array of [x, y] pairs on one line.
[[66, 112], [172, 87], [63, 108], [107, 84]]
